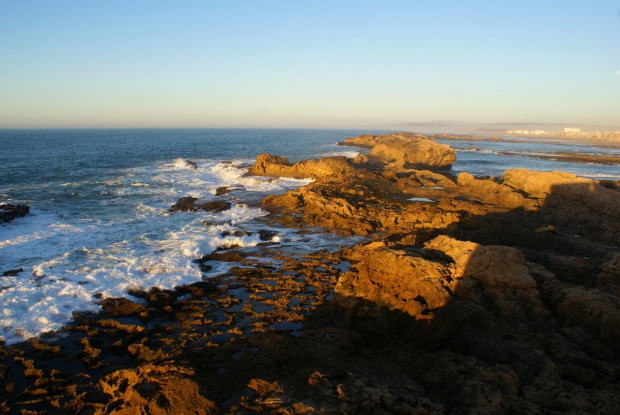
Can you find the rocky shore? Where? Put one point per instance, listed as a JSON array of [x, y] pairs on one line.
[[467, 296]]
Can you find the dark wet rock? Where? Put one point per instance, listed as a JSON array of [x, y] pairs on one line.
[[198, 289], [238, 233], [221, 191], [215, 206], [121, 307], [224, 190], [10, 212], [184, 204], [12, 272], [224, 256], [263, 234], [193, 204], [266, 234], [191, 164]]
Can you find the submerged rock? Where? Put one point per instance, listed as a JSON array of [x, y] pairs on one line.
[[12, 272]]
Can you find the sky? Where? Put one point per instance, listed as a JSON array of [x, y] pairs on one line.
[[318, 64]]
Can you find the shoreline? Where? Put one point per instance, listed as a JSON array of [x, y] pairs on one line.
[[603, 142], [468, 294]]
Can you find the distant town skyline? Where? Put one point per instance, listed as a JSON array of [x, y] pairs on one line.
[[72, 64]]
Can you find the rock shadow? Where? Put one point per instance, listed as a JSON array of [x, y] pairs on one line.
[[495, 316]]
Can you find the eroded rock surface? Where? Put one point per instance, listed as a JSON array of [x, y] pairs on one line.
[[269, 165], [468, 295], [406, 150]]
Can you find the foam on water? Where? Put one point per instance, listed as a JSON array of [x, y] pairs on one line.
[[421, 199], [346, 153], [117, 235], [99, 221]]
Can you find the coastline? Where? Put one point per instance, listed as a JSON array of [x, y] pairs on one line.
[[468, 295], [604, 142]]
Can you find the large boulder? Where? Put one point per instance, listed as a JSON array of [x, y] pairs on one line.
[[406, 150], [490, 265], [420, 285], [395, 280]]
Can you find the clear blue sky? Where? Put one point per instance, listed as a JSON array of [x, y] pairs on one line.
[[307, 63]]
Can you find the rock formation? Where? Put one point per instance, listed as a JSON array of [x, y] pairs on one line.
[[467, 295], [10, 212], [191, 164], [268, 165], [193, 204], [406, 150]]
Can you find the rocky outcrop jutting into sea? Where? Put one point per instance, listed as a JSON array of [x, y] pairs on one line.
[[406, 150], [467, 295]]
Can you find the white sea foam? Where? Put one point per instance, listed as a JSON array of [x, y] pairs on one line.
[[117, 234], [182, 164], [346, 153], [234, 175], [421, 199], [603, 176]]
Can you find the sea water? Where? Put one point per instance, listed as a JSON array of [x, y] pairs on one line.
[[492, 158], [99, 224]]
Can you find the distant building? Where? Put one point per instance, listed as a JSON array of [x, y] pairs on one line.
[[572, 130], [528, 132]]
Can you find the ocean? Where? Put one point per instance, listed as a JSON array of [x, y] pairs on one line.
[[99, 223]]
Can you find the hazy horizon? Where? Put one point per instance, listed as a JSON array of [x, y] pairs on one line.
[[439, 126], [243, 64]]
